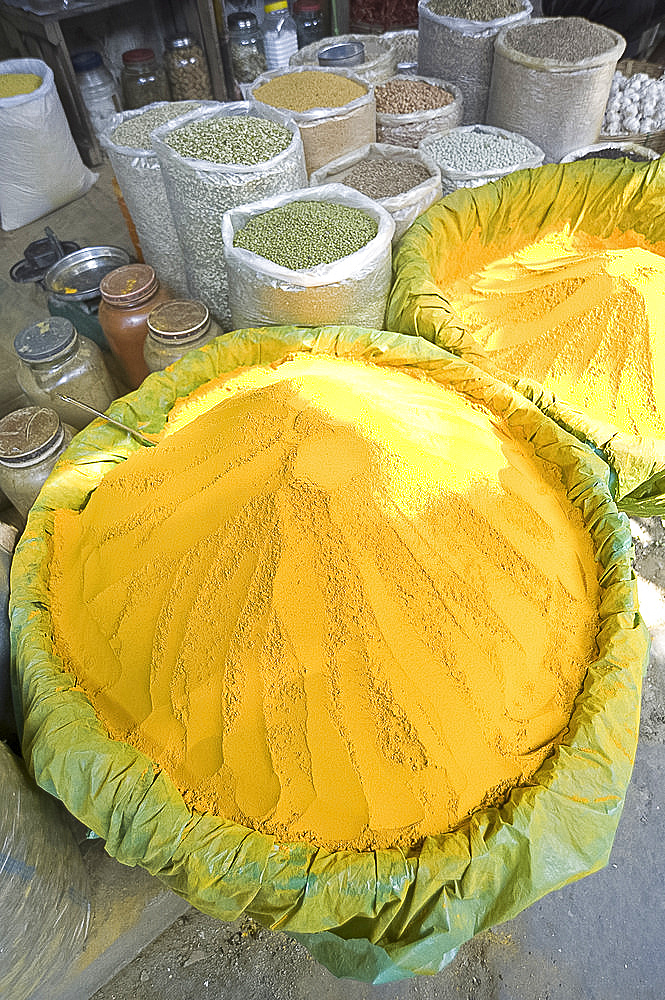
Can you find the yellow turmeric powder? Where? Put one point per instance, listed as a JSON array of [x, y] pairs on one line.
[[336, 602], [582, 316]]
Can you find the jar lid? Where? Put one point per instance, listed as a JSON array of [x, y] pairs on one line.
[[83, 61], [242, 19], [306, 6], [178, 318], [45, 340], [137, 55], [128, 284], [180, 42], [28, 434], [276, 5]]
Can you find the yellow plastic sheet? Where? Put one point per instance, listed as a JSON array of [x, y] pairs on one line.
[[596, 196], [375, 916]]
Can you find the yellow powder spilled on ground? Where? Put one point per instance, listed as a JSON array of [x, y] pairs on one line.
[[587, 321], [341, 605], [13, 84]]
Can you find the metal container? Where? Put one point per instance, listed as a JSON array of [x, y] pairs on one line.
[[342, 55], [76, 277]]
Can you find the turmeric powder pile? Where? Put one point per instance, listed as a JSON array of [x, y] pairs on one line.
[[583, 317], [336, 602]]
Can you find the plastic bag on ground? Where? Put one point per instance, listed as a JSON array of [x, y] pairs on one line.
[[381, 915]]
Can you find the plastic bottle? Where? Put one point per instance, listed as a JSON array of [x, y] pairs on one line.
[[280, 36], [98, 88]]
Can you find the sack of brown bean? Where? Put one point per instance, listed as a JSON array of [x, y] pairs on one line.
[[322, 255], [402, 180], [408, 108], [456, 43], [380, 61]]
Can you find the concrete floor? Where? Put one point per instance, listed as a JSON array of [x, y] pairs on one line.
[[598, 939]]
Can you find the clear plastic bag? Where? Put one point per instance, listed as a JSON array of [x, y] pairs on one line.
[[404, 208], [410, 128], [40, 167], [353, 289], [199, 193]]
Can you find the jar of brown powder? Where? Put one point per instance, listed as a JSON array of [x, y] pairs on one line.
[[31, 441], [175, 328]]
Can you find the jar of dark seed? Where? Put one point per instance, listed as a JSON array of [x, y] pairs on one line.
[[309, 21], [175, 328], [129, 294], [143, 79], [187, 69], [248, 57], [31, 441], [53, 358]]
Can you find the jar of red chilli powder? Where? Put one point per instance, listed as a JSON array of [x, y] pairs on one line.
[[129, 294]]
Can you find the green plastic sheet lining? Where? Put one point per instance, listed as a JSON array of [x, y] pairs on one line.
[[594, 196], [374, 916]]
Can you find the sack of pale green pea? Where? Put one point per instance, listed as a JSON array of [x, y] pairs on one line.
[[402, 180], [321, 255], [473, 155], [410, 108], [456, 43], [127, 140], [213, 160]]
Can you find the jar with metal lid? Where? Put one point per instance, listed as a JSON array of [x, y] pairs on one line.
[[248, 56], [31, 441], [129, 294], [310, 24], [53, 358], [187, 69], [143, 79], [175, 328]]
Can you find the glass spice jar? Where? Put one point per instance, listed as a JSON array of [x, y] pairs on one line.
[[53, 358], [187, 70], [129, 294], [175, 328], [143, 79], [31, 441], [248, 57], [310, 25]]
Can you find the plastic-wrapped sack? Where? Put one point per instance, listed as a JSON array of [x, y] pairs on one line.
[[44, 892], [380, 56], [199, 192], [410, 128], [526, 155], [404, 208], [557, 104], [40, 167], [327, 132], [353, 289], [462, 52], [139, 176], [404, 44], [611, 151], [595, 196], [376, 915]]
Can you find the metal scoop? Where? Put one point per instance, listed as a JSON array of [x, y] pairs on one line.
[[150, 440]]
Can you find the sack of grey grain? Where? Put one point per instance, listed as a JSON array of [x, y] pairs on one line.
[[127, 140], [333, 221], [456, 48], [213, 160], [402, 180], [410, 108], [380, 56], [551, 80]]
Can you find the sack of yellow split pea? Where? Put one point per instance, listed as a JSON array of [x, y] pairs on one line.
[[554, 280], [353, 650]]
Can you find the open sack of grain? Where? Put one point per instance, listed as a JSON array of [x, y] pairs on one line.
[[354, 649], [553, 280]]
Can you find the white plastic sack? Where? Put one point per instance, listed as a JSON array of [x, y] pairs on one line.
[[199, 192], [472, 177], [410, 128], [40, 167], [404, 208], [352, 290]]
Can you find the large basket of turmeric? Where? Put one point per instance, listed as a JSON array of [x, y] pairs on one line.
[[553, 280], [354, 649]]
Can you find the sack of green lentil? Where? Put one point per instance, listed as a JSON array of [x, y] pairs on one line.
[[40, 167], [380, 61], [212, 160], [376, 915], [456, 43], [551, 80], [128, 143], [333, 108], [409, 108], [402, 180], [473, 155], [596, 364], [318, 255]]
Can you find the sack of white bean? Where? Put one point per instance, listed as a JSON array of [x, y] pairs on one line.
[[473, 155]]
